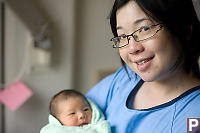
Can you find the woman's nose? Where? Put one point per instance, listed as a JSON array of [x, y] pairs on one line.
[[135, 47]]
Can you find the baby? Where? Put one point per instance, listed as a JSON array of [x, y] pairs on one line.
[[71, 108], [71, 112]]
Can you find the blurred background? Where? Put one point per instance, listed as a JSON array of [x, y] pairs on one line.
[[52, 45]]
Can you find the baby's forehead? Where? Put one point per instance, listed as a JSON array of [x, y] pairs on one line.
[[73, 103], [70, 99]]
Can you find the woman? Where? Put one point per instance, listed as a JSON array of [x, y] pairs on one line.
[[158, 87]]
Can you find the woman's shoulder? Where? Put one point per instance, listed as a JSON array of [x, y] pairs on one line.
[[120, 76], [123, 74], [189, 104], [102, 92]]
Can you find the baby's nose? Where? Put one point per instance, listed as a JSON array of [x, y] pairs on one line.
[[81, 115]]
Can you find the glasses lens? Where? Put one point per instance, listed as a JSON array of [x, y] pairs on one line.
[[119, 41], [123, 40], [146, 32]]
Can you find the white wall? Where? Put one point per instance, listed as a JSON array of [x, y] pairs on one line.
[[81, 48], [33, 114], [94, 49]]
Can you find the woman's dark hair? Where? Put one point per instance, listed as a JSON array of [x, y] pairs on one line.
[[179, 18]]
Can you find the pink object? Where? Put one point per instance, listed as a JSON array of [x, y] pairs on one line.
[[15, 95]]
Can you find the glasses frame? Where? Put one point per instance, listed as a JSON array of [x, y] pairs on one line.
[[132, 35]]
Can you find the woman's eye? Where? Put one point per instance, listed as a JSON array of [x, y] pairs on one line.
[[123, 36], [145, 28]]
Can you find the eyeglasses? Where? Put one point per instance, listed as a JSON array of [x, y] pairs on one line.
[[141, 34]]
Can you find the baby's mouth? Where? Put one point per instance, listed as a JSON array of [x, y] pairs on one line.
[[84, 123]]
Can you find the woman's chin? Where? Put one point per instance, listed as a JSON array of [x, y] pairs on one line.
[[147, 78]]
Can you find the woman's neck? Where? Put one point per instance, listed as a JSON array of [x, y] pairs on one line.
[[155, 93], [174, 85]]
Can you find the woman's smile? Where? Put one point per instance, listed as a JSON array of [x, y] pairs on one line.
[[144, 64]]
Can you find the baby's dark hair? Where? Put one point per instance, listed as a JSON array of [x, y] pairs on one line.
[[63, 95]]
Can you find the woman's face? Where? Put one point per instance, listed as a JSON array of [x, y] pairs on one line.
[[152, 59]]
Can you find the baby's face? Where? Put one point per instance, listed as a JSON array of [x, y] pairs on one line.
[[74, 112]]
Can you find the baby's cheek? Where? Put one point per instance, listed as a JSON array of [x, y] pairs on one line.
[[70, 122], [89, 117]]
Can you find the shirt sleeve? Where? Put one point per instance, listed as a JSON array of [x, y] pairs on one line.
[[100, 93], [104, 91]]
